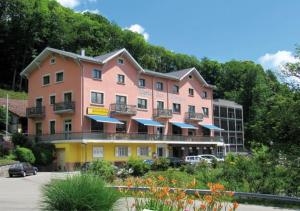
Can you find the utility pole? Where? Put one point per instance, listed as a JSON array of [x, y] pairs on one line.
[[6, 131]]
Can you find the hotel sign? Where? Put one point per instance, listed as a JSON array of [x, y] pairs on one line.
[[97, 111]]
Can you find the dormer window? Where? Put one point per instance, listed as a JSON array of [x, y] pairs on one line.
[[190, 76], [120, 61], [53, 60]]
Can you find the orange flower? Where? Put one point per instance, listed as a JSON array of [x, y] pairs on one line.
[[231, 193], [149, 181], [165, 190], [235, 205], [161, 178], [219, 186], [193, 184], [208, 199], [173, 181], [190, 201], [203, 206], [129, 184]]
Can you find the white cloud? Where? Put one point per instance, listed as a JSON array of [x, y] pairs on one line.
[[69, 3], [138, 29], [276, 62], [96, 11]]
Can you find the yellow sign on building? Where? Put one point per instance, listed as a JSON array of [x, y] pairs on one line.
[[97, 111]]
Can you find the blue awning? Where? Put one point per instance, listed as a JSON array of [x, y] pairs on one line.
[[149, 122], [184, 125], [105, 119], [212, 127]]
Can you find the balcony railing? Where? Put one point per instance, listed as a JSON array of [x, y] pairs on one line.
[[194, 116], [123, 109], [162, 113], [35, 112], [126, 137], [64, 107]]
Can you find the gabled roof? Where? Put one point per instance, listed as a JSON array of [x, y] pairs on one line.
[[102, 59], [17, 107]]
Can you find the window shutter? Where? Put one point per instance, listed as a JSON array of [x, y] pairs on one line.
[[149, 151], [116, 151], [138, 151], [129, 151]]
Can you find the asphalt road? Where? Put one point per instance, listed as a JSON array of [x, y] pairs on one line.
[[20, 193]]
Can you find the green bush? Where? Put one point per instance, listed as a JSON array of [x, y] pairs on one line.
[[19, 139], [79, 192], [160, 164], [44, 153], [103, 169], [24, 155], [138, 166]]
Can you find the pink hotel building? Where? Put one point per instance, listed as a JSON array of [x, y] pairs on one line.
[[109, 107]]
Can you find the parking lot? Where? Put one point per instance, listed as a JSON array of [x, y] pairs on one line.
[[19, 193]]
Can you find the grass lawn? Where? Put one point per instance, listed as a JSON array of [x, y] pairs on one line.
[[13, 94], [4, 162]]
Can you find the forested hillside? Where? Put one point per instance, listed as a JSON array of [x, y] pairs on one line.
[[271, 109]]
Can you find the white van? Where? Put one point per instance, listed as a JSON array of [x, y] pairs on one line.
[[192, 159]]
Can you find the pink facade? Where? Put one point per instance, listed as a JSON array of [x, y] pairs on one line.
[[78, 80]]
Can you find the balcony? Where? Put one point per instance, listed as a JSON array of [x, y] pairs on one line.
[[192, 116], [35, 112], [64, 107], [147, 138], [162, 113], [123, 109]]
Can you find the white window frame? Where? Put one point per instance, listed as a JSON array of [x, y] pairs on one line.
[[49, 79], [95, 69], [162, 85], [52, 120], [99, 150], [51, 59], [176, 112], [41, 126], [118, 79], [117, 154], [204, 108], [39, 97], [140, 150], [160, 101], [66, 92], [120, 59], [193, 92], [142, 98], [173, 91], [56, 76], [144, 82], [103, 99]]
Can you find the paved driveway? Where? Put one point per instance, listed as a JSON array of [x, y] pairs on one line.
[[20, 193]]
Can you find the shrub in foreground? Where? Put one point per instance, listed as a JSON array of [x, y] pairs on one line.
[[102, 168], [79, 192], [138, 166], [160, 164], [24, 155]]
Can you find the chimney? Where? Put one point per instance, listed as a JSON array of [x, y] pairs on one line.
[[82, 52]]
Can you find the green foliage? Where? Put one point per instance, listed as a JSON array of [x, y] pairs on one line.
[[6, 161], [138, 166], [24, 155], [44, 153], [13, 94], [160, 164], [19, 139], [103, 169], [79, 192]]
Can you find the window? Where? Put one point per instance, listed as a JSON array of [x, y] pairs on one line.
[[39, 102], [205, 111], [160, 105], [121, 128], [97, 97], [53, 60], [52, 127], [216, 111], [122, 151], [142, 82], [204, 94], [142, 128], [97, 152], [175, 89], [97, 126], [231, 125], [176, 108], [68, 97], [97, 74], [230, 113], [142, 103], [159, 86], [52, 99], [59, 77], [224, 124], [120, 61], [121, 79], [143, 151], [46, 80], [238, 113], [38, 128], [192, 109], [191, 92], [239, 126], [190, 76], [223, 112]]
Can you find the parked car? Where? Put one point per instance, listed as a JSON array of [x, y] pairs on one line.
[[175, 162], [192, 159], [22, 169], [209, 158], [149, 162]]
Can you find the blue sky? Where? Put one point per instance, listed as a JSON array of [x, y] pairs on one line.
[[264, 31]]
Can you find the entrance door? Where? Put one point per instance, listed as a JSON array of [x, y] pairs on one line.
[[60, 154], [67, 128]]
